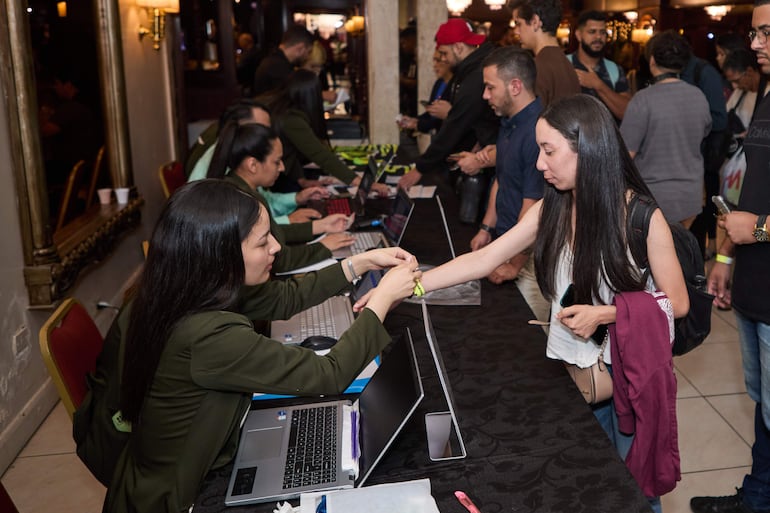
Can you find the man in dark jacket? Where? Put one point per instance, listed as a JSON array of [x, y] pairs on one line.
[[278, 65], [469, 119]]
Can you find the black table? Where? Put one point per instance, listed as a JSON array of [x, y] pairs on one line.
[[533, 444]]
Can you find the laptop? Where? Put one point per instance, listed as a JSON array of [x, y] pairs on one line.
[[355, 204], [393, 228], [354, 436], [330, 318]]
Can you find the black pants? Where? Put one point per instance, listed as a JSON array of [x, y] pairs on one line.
[[714, 150]]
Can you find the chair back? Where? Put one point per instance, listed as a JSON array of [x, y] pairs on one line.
[[69, 200], [171, 177], [95, 173], [70, 344]]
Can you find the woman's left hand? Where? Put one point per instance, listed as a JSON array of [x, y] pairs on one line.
[[584, 319]]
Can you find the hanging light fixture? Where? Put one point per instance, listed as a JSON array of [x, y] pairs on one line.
[[717, 12], [495, 5], [457, 7]]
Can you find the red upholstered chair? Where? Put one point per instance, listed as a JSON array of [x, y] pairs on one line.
[[171, 177], [70, 344]]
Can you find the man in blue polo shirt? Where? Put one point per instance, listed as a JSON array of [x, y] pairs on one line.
[[599, 76], [509, 88]]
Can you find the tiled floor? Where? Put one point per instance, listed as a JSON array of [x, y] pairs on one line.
[[715, 433]]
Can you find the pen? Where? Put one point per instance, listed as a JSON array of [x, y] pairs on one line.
[[465, 501]]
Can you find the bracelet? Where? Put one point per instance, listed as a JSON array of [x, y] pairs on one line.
[[486, 228], [724, 259], [352, 271], [419, 290]]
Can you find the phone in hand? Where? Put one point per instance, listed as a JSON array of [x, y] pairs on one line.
[[424, 103], [721, 205], [453, 157], [568, 299]]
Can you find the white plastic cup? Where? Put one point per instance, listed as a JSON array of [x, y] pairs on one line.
[[122, 195], [105, 195]]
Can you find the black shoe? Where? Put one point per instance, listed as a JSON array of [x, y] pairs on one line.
[[726, 504]]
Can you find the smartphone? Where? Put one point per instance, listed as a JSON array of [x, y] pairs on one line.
[[424, 103], [568, 299], [453, 157], [721, 205]]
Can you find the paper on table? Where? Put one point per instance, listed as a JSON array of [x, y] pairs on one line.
[[403, 497], [342, 96], [422, 191]]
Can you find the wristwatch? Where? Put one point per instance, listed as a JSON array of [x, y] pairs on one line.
[[486, 228], [760, 229]]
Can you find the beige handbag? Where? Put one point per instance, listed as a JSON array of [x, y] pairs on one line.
[[594, 382]]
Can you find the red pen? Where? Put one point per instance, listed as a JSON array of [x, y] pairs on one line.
[[465, 501]]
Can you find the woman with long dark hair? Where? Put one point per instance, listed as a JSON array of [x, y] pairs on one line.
[[253, 154], [579, 233], [190, 357], [297, 112]]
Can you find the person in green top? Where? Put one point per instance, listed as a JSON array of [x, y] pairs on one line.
[[190, 357], [284, 206], [297, 113], [253, 153]]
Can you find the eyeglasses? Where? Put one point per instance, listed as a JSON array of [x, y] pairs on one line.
[[760, 35]]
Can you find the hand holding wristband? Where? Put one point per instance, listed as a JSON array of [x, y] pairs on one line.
[[724, 259], [419, 290]]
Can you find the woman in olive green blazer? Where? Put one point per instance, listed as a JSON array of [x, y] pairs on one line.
[[190, 357]]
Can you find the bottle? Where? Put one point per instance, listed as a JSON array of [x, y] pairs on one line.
[[470, 198]]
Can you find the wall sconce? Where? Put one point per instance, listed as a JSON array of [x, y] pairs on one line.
[[457, 7], [156, 13], [631, 16], [355, 25], [61, 9], [562, 33], [641, 35]]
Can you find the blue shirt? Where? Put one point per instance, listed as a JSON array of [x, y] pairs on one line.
[[517, 176]]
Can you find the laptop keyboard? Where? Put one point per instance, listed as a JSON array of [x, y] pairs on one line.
[[338, 206], [312, 455], [365, 241], [317, 320]]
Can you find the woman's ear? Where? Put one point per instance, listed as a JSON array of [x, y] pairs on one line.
[[252, 165]]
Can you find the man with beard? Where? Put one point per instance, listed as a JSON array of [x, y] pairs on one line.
[[509, 88], [599, 76]]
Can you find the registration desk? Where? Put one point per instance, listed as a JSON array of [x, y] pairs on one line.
[[533, 444]]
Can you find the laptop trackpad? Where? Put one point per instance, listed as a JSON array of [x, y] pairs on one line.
[[262, 444]]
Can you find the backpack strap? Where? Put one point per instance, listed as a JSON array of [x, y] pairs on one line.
[[640, 210], [613, 71]]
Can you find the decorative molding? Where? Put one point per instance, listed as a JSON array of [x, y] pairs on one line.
[[89, 241]]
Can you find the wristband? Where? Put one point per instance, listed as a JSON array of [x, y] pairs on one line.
[[352, 271], [486, 228], [419, 290], [724, 259]]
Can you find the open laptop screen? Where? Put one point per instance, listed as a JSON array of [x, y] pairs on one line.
[[395, 224], [387, 403]]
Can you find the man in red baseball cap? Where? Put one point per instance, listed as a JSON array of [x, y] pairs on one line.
[[468, 119]]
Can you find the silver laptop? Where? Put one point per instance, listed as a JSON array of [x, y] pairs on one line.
[[330, 318], [393, 228], [269, 466]]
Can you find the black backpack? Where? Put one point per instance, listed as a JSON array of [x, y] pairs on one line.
[[693, 328]]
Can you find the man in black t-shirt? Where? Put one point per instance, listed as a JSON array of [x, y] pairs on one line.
[[747, 245]]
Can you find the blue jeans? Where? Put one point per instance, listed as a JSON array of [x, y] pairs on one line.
[[755, 350], [608, 420]]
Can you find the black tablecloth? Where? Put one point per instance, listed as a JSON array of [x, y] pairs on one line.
[[533, 444]]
